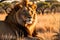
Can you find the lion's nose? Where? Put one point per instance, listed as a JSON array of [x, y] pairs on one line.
[[29, 19]]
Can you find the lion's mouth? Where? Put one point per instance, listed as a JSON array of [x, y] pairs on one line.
[[29, 21]]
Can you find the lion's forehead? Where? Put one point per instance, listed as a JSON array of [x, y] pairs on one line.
[[27, 12]]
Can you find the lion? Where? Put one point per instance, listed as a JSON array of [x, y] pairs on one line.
[[24, 18]]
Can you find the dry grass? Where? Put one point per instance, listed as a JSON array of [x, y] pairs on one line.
[[49, 23]]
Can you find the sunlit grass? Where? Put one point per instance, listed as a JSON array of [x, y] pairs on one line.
[[50, 24]]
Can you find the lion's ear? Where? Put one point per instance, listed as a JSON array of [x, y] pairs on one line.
[[17, 7]]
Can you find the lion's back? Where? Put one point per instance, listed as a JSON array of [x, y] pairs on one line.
[[6, 30]]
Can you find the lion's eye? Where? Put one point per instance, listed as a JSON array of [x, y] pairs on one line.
[[23, 10], [32, 12]]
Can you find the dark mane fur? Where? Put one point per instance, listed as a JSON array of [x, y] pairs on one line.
[[11, 22]]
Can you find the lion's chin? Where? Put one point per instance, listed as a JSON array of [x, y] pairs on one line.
[[30, 22]]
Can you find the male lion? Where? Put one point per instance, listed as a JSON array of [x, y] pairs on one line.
[[24, 18]]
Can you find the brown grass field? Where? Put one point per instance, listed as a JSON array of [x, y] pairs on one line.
[[49, 23]]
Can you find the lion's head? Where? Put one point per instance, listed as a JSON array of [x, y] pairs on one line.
[[27, 17]]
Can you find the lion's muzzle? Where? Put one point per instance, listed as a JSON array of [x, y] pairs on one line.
[[29, 20]]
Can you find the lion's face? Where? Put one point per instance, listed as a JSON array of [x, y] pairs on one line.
[[26, 16]]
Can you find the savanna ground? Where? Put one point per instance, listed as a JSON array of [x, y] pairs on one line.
[[49, 23]]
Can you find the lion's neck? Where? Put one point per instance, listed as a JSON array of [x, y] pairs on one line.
[[32, 27]]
